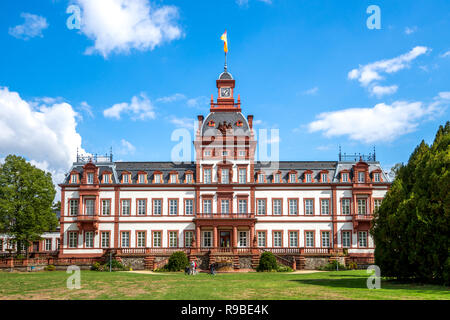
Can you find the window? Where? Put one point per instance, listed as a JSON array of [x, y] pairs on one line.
[[261, 206], [90, 207], [126, 207], [173, 178], [48, 244], [157, 207], [158, 178], [361, 177], [376, 177], [188, 178], [292, 178], [173, 207], [324, 177], [225, 176], [188, 237], [277, 178], [243, 239], [293, 206], [309, 206], [89, 239], [126, 178], [73, 239], [261, 178], [308, 177], [346, 239], [224, 153], [57, 244], [277, 207], [207, 206], [141, 178], [345, 177], [225, 206], [309, 239], [326, 239], [73, 207], [104, 239], [106, 207], [90, 178], [325, 206], [207, 176], [140, 239], [362, 239], [242, 175], [73, 178], [157, 239], [242, 204], [142, 207], [242, 153], [277, 239], [293, 239], [207, 239], [362, 207], [261, 235], [376, 204], [106, 178], [125, 239], [207, 153], [345, 206]]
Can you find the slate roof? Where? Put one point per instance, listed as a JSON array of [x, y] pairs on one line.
[[227, 117]]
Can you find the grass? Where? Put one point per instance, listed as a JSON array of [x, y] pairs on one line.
[[124, 285]]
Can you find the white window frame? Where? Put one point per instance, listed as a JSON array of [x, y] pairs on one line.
[[128, 207], [48, 244], [363, 241], [142, 207], [309, 239], [224, 206], [157, 239], [243, 239], [89, 208], [261, 205], [326, 243], [125, 239], [307, 207], [277, 239], [189, 207], [325, 207], [90, 178], [73, 240], [207, 174], [104, 239], [206, 239], [261, 239], [295, 207], [346, 239], [88, 239], [362, 207], [293, 239], [277, 205], [242, 206], [173, 207], [157, 207], [225, 176], [207, 206], [242, 175], [346, 207]]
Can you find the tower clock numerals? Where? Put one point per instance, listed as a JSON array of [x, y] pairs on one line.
[[225, 92]]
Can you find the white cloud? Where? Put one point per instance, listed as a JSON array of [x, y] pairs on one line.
[[312, 91], [245, 2], [445, 54], [46, 135], [140, 108], [381, 123], [126, 147], [198, 102], [172, 98], [411, 30], [369, 75], [86, 108], [444, 95], [121, 25], [187, 123], [32, 27], [380, 91]]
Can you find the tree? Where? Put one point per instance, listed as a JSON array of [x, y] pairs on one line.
[[26, 198], [267, 262], [177, 261], [411, 227]]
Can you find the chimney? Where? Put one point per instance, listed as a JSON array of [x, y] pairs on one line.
[[250, 121]]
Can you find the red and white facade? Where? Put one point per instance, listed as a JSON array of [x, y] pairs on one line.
[[223, 202]]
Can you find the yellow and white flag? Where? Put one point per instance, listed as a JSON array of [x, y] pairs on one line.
[[225, 41]]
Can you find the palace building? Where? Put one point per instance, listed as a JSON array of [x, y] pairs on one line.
[[225, 206]]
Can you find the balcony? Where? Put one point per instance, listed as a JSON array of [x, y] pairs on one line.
[[364, 217], [86, 218], [225, 215]]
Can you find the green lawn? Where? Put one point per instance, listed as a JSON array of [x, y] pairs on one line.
[[124, 285]]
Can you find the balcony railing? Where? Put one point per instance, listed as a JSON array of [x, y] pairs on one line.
[[225, 215], [364, 217], [86, 218]]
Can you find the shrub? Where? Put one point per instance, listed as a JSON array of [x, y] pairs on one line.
[[283, 268], [333, 266], [115, 265], [353, 265], [267, 262], [177, 261], [96, 266], [50, 267]]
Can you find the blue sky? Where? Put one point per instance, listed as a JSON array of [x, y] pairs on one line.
[[300, 66]]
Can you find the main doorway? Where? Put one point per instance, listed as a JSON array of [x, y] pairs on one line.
[[225, 239]]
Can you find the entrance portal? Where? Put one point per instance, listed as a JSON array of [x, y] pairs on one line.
[[225, 239]]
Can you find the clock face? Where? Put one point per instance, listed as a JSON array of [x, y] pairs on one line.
[[225, 92]]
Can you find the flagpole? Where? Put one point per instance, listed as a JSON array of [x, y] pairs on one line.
[[225, 62]]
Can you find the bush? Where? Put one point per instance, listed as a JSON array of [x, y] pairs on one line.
[[283, 268], [115, 265], [50, 267], [353, 265], [178, 261], [267, 262], [333, 266], [96, 267]]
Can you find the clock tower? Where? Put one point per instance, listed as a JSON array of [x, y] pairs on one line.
[[225, 101]]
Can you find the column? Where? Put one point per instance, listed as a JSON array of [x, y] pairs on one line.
[[235, 244], [215, 238], [197, 236], [252, 235]]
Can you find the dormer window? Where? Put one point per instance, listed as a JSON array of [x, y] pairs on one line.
[[126, 178], [211, 124], [345, 177], [207, 153], [142, 178], [324, 177], [361, 177], [90, 178], [308, 178], [158, 178], [261, 178], [73, 178], [173, 178], [292, 177], [189, 178], [106, 178], [277, 178], [376, 177]]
